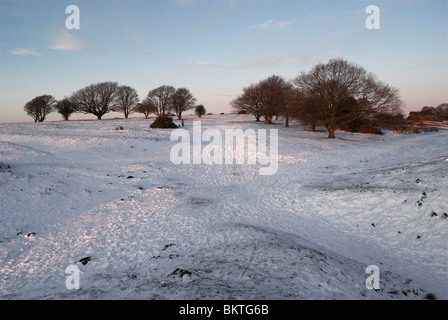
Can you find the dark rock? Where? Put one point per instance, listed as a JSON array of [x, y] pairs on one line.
[[85, 260], [167, 246], [180, 272]]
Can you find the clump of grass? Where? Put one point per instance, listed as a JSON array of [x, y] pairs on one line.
[[430, 296]]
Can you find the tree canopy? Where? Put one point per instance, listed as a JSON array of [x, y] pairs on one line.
[[338, 92], [97, 99], [65, 107], [126, 100], [39, 107], [161, 98], [182, 100], [199, 110]]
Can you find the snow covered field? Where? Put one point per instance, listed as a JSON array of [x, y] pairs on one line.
[[155, 230]]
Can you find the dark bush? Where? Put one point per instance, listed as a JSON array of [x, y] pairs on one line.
[[362, 125], [242, 112], [391, 122], [163, 122]]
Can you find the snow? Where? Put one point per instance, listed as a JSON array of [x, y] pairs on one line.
[[156, 230]]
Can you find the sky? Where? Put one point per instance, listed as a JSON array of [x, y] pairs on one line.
[[214, 48]]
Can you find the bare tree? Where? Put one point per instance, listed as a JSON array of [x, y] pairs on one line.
[[442, 111], [161, 98], [199, 110], [276, 94], [39, 107], [127, 99], [146, 107], [65, 107], [97, 99], [250, 101], [294, 99], [182, 100], [267, 98], [331, 89]]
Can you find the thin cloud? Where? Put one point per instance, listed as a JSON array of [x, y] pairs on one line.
[[222, 94], [441, 64], [330, 18], [211, 19], [315, 55], [428, 55], [201, 64], [139, 43], [99, 61], [186, 1], [261, 63], [67, 42], [273, 24], [320, 19], [25, 52]]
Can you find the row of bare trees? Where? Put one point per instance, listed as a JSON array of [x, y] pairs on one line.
[[165, 100], [104, 97], [335, 95]]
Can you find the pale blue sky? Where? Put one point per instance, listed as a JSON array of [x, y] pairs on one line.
[[214, 48]]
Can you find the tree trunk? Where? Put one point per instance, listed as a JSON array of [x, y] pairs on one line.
[[267, 119], [331, 131], [286, 122]]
